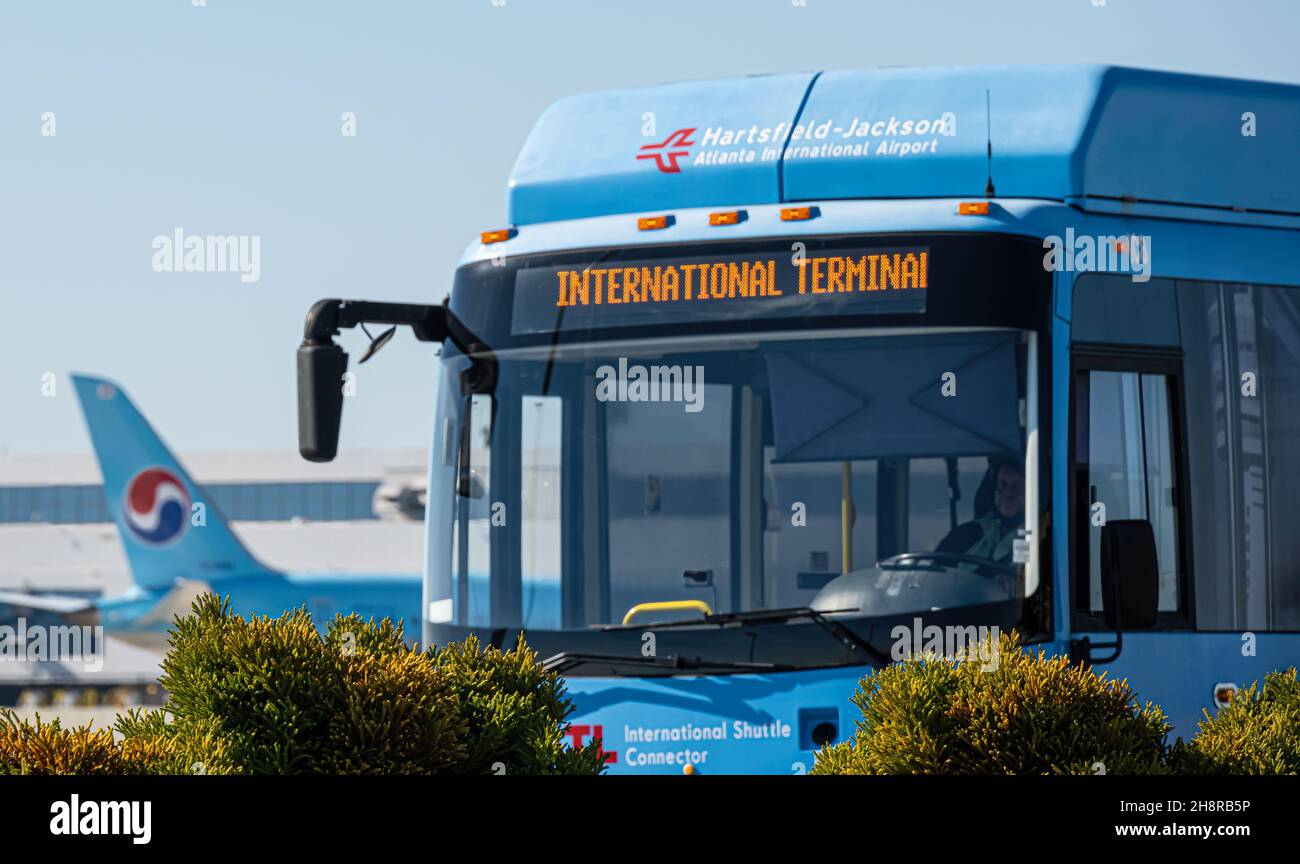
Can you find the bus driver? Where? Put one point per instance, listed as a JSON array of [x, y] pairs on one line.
[[992, 535]]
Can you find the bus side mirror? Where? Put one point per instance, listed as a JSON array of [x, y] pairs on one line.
[[1130, 574], [321, 366]]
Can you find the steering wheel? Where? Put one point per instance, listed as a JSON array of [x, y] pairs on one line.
[[915, 560]]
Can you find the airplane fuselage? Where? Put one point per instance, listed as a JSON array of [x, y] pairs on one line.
[[143, 616]]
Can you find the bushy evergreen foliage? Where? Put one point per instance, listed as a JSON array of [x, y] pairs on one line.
[[1028, 714], [514, 712], [271, 696], [38, 747], [1258, 732]]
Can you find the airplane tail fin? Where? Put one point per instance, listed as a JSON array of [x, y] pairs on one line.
[[169, 527]]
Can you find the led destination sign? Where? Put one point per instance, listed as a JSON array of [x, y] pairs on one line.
[[679, 290]]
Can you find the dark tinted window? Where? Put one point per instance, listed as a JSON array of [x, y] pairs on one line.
[[1242, 364]]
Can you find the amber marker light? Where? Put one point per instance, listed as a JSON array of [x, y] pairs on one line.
[[796, 214], [973, 208], [725, 217], [652, 223], [497, 236]]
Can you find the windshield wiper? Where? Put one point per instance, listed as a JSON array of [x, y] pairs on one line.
[[567, 660], [559, 319], [760, 617]]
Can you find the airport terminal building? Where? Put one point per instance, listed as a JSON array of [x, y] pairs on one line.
[[259, 486]]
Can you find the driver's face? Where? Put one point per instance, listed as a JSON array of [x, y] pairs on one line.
[[1009, 494]]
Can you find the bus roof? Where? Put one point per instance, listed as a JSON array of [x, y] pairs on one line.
[[1099, 137]]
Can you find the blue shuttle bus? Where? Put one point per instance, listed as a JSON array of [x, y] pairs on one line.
[[772, 381]]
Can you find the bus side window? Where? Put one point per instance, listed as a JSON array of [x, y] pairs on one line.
[[1125, 468], [1242, 350], [1278, 380]]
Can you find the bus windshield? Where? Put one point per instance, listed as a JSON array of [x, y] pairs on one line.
[[594, 486]]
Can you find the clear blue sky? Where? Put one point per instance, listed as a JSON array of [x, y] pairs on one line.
[[225, 119]]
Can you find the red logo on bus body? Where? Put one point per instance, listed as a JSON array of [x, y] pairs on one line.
[[577, 733], [669, 151]]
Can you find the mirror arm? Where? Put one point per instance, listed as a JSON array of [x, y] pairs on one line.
[[322, 363], [327, 317]]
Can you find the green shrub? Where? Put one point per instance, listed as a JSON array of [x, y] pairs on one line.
[[514, 711], [48, 748], [271, 696], [1258, 732], [161, 747], [1029, 714], [278, 699]]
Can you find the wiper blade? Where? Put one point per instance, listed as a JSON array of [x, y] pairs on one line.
[[559, 318], [759, 617], [567, 660]]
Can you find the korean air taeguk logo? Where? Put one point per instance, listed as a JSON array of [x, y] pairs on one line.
[[155, 506]]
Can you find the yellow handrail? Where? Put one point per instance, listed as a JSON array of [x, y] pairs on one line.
[[664, 605]]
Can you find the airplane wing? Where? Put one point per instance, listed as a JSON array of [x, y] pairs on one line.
[[46, 602], [176, 602]]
